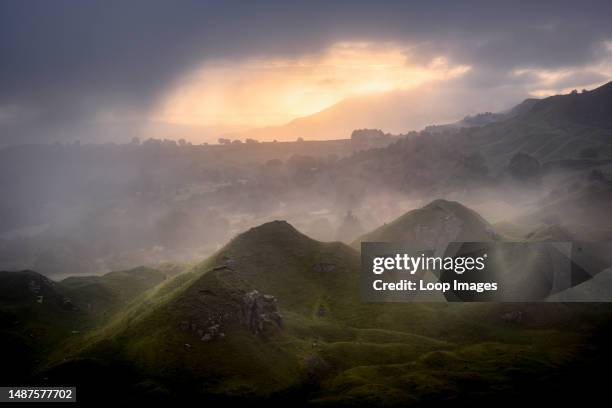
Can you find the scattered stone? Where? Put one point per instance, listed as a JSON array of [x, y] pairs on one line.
[[34, 287], [514, 316], [213, 330], [321, 311], [68, 305], [324, 267]]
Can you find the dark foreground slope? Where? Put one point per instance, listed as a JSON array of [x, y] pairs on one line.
[[38, 316], [277, 315]]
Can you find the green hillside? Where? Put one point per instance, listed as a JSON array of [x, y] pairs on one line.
[[38, 316], [35, 316], [102, 296], [277, 314]]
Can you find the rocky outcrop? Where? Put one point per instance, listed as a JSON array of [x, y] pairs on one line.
[[209, 331], [250, 309], [258, 310]]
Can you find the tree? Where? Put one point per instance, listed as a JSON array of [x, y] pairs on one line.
[[223, 141]]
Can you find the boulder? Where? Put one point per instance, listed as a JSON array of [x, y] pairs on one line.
[[258, 309], [514, 316]]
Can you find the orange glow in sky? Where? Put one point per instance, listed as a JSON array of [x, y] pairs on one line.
[[266, 92]]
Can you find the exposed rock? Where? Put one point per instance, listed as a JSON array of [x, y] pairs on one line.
[[514, 316], [321, 311], [324, 267], [277, 318], [34, 287], [205, 334], [213, 330], [68, 305], [258, 309]]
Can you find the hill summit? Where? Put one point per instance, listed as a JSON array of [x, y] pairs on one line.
[[435, 224]]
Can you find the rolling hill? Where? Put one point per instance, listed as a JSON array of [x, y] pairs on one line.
[[38, 315], [276, 314], [434, 225]]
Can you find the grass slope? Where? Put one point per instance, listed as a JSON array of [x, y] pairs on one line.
[[331, 348]]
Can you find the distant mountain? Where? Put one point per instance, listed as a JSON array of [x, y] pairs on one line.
[[403, 111], [395, 112]]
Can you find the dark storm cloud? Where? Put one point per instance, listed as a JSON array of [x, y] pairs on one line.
[[62, 61]]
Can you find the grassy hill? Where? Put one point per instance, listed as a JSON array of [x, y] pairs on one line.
[[276, 314], [35, 316], [38, 315], [102, 296], [437, 223], [554, 128]]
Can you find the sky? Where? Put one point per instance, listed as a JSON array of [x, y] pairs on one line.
[[98, 70]]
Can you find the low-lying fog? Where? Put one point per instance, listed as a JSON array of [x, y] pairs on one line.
[[72, 209]]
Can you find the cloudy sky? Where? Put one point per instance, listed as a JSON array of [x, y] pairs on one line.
[[87, 69]]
